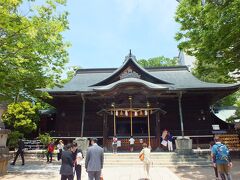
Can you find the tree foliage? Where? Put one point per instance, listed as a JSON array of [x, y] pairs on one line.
[[158, 61], [32, 50], [13, 138], [45, 138], [22, 117], [210, 31]]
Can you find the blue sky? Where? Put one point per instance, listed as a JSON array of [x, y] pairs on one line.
[[102, 31]]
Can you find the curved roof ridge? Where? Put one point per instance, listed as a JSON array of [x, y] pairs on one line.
[[128, 81]]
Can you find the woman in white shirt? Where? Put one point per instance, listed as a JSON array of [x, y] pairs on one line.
[[147, 160], [60, 149]]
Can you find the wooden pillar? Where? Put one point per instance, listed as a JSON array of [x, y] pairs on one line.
[[158, 132], [149, 134], [83, 114], [180, 112], [114, 123], [105, 131]]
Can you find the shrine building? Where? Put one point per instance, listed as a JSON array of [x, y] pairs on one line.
[[135, 101]]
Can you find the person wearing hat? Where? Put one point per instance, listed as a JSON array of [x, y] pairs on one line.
[[60, 147], [94, 160]]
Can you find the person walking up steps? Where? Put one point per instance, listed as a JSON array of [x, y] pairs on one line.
[[131, 141], [221, 159], [214, 167], [114, 144], [146, 160]]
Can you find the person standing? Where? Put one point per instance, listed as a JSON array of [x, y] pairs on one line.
[[114, 144], [77, 156], [131, 141], [50, 151], [94, 160], [221, 159], [214, 167], [20, 152], [66, 169], [60, 149], [147, 160], [169, 141]]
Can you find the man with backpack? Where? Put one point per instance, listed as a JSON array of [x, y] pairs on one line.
[[221, 159]]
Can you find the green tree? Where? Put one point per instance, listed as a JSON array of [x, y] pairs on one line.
[[210, 32], [32, 49], [70, 73], [13, 138], [22, 117], [158, 61], [45, 138]]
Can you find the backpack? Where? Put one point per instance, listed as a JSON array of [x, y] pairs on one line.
[[222, 152]]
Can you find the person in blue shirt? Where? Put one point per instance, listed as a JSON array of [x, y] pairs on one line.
[[221, 159]]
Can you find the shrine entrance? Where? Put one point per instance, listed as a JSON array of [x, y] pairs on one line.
[[139, 126]]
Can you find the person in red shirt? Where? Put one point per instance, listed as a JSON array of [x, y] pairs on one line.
[[50, 151]]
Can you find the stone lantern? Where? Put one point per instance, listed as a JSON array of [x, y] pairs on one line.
[[4, 151]]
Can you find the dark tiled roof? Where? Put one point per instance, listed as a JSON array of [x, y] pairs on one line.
[[179, 77], [172, 78]]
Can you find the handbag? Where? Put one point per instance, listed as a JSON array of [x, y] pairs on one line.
[[141, 157], [164, 142]]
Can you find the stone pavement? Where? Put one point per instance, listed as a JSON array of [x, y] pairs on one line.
[[41, 170]]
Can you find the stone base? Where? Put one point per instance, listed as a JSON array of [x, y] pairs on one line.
[[183, 146], [4, 157], [184, 151], [83, 144]]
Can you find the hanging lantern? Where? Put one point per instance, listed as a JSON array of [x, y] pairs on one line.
[[126, 113], [145, 113], [111, 112], [121, 113], [116, 113], [135, 113], [141, 113]]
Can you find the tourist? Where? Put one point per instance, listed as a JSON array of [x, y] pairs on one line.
[[50, 150], [146, 160], [169, 141], [20, 151], [77, 156], [66, 169], [94, 160], [60, 149], [221, 159], [214, 167], [164, 139], [114, 144], [131, 141]]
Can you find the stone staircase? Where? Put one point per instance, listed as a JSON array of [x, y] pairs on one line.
[[165, 159]]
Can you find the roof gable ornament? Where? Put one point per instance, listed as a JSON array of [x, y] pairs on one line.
[[129, 73], [130, 56]]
